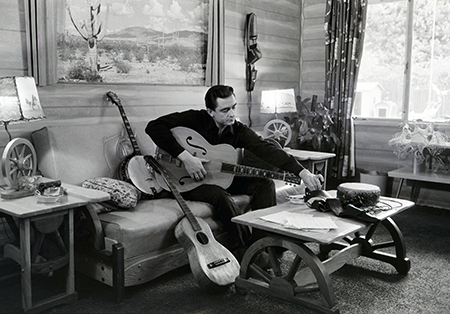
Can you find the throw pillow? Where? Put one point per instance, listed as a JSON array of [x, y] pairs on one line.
[[123, 194]]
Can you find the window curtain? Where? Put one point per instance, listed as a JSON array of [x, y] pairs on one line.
[[216, 52], [344, 27], [41, 39]]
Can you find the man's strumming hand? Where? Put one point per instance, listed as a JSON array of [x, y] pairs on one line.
[[193, 165]]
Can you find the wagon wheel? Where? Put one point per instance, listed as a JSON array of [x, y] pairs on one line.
[[18, 160], [278, 130], [378, 244], [282, 278]]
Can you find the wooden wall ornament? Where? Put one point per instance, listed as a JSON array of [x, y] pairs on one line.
[[253, 54]]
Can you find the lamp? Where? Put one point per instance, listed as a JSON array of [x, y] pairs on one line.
[[19, 102], [274, 102]]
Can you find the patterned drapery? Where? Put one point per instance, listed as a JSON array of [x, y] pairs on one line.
[[344, 35]]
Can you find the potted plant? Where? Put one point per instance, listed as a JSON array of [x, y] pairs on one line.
[[313, 125], [419, 140]]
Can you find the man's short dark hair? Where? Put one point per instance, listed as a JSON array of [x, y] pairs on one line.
[[217, 91]]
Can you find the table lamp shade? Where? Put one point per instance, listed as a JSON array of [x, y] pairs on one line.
[[278, 101], [19, 100]]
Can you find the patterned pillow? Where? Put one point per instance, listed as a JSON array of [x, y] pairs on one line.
[[123, 194]]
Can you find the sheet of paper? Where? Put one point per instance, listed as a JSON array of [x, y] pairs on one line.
[[301, 221]]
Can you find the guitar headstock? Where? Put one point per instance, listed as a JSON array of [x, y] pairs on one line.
[[113, 97]]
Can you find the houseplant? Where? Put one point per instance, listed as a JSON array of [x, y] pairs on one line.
[[418, 139], [313, 125]]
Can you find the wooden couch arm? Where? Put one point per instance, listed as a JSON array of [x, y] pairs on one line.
[[91, 224]]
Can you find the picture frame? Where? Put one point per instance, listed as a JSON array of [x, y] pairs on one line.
[[111, 41]]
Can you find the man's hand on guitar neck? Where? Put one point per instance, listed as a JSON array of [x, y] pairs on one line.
[[312, 181], [193, 165]]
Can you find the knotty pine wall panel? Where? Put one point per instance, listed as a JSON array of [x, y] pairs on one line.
[[312, 78], [278, 25], [13, 52]]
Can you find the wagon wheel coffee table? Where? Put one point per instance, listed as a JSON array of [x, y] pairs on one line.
[[305, 279]]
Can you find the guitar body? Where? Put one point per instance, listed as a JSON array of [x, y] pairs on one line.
[[195, 144], [220, 168], [211, 263], [134, 170]]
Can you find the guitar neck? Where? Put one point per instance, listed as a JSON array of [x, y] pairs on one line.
[[184, 207], [133, 141], [246, 171]]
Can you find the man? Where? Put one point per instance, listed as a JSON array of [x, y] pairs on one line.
[[217, 124]]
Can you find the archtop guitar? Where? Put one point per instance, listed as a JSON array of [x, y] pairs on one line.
[[220, 168]]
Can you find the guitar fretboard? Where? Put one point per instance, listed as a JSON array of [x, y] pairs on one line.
[[240, 170], [115, 99], [133, 141], [246, 171]]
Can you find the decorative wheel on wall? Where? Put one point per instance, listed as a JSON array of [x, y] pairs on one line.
[[279, 130], [18, 160]]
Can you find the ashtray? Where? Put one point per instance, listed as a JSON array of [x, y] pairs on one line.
[[296, 199], [48, 199], [50, 195]]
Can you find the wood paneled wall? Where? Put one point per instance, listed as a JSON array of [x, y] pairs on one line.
[[312, 78], [291, 37], [13, 48], [279, 38], [278, 24]]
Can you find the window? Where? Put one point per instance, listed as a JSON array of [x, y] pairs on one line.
[[408, 79]]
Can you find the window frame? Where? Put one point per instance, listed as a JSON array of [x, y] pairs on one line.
[[407, 73]]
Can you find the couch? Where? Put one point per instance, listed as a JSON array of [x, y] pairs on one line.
[[120, 247]]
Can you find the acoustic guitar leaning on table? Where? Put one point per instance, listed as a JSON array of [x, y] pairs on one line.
[[217, 124], [211, 263]]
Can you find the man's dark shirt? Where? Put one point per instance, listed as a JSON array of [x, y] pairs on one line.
[[238, 135]]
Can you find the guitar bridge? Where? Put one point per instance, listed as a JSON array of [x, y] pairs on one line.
[[218, 262]]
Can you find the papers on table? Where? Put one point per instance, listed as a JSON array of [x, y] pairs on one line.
[[301, 221]]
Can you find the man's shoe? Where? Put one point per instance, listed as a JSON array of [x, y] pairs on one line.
[[263, 260]]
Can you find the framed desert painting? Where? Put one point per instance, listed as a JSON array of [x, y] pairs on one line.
[[133, 41]]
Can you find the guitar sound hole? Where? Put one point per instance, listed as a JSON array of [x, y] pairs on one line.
[[202, 238]]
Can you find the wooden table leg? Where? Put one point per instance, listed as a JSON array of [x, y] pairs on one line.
[[283, 285], [399, 189], [401, 263], [24, 257], [70, 280], [25, 249], [373, 250]]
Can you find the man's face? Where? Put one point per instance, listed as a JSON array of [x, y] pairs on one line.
[[225, 111]]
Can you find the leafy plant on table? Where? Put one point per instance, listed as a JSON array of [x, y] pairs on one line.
[[315, 125]]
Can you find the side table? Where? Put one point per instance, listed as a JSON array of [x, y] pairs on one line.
[[305, 279], [46, 218], [317, 161], [439, 177]]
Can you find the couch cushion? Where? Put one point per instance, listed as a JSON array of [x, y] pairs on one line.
[[123, 194], [150, 225]]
